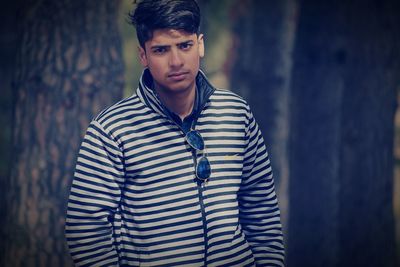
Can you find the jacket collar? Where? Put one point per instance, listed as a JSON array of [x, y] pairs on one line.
[[148, 96]]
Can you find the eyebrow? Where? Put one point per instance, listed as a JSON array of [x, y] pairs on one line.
[[186, 42], [159, 46], [166, 46]]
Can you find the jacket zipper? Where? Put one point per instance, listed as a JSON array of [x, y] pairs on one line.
[[200, 190], [200, 187], [200, 184]]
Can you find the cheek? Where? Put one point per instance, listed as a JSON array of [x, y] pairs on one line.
[[156, 67], [194, 60]]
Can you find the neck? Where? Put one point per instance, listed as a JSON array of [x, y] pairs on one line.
[[181, 103]]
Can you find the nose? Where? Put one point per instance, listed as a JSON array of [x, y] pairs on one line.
[[175, 59]]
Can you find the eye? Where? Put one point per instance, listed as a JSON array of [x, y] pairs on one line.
[[185, 46], [159, 50]]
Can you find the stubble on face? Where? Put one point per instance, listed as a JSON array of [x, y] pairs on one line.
[[173, 58]]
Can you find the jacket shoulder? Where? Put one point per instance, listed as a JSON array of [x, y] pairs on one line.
[[229, 97], [129, 104]]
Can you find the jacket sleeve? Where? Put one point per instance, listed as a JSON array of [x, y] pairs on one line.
[[92, 212], [258, 206]]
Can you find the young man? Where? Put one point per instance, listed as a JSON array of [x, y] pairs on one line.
[[178, 174]]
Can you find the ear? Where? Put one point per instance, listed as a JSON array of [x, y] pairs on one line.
[[142, 56], [200, 40]]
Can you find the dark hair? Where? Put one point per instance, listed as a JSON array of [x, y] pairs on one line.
[[151, 15]]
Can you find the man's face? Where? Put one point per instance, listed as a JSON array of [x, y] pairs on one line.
[[173, 58]]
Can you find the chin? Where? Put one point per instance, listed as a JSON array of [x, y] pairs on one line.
[[179, 87]]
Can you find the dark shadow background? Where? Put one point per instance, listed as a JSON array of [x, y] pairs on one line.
[[322, 79]]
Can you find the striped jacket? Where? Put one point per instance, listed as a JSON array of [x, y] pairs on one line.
[[134, 199]]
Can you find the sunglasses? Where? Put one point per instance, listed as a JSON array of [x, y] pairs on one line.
[[203, 167]]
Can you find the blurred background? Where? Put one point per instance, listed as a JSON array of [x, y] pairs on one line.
[[322, 78]]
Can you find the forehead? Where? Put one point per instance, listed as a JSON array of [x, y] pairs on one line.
[[170, 37]]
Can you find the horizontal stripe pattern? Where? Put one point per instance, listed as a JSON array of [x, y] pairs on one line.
[[135, 200]]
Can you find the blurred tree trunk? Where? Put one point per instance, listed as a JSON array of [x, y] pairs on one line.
[[69, 67], [263, 39], [316, 93], [343, 98], [8, 38], [372, 78]]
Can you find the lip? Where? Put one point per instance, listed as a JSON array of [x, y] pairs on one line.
[[177, 76]]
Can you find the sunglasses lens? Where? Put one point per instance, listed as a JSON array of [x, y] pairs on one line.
[[195, 140], [203, 170]]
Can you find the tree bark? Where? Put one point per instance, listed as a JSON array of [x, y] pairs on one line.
[[69, 67], [372, 78], [341, 162], [7, 58], [263, 40], [316, 93]]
